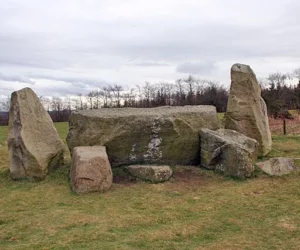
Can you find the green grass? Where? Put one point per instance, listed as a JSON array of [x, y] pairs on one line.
[[285, 145], [3, 134], [221, 117], [198, 209], [62, 129]]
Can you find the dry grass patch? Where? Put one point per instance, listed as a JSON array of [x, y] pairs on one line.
[[197, 209], [287, 146]]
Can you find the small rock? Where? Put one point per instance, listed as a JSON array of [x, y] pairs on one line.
[[90, 170], [150, 172], [277, 166], [228, 151]]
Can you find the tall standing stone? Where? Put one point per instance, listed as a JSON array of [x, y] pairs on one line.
[[33, 142], [246, 110]]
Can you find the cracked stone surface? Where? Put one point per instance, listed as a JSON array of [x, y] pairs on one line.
[[90, 170], [228, 151], [33, 142]]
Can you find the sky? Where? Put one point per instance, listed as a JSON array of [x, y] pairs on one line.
[[67, 47]]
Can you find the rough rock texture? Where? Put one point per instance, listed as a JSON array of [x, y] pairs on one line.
[[33, 142], [228, 151], [278, 166], [246, 110], [151, 173], [90, 170], [165, 135]]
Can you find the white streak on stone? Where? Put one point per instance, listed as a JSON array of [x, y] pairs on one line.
[[154, 153], [132, 156]]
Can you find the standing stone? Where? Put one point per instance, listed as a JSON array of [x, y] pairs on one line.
[[228, 151], [33, 142], [246, 110], [164, 135], [90, 170], [277, 166]]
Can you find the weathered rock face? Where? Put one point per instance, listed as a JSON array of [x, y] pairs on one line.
[[278, 166], [246, 110], [165, 135], [90, 170], [228, 151], [33, 142], [151, 173]]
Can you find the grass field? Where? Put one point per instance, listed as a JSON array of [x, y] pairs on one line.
[[197, 209]]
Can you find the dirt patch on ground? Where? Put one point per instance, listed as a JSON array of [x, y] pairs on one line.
[[123, 180], [184, 177], [188, 175], [191, 177]]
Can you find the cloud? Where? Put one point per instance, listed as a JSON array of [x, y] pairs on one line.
[[148, 64], [75, 81], [22, 79], [128, 42], [196, 68]]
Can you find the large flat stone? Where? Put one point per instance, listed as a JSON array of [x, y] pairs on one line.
[[164, 135]]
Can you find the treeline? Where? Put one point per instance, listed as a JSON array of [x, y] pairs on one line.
[[280, 91], [189, 91], [186, 91], [62, 116]]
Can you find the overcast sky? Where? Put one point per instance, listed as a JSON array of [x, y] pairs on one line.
[[60, 47]]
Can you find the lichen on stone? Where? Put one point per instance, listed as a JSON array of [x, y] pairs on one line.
[[153, 152]]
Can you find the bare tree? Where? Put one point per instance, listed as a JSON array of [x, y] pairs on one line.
[[68, 102], [263, 82], [57, 104], [106, 93], [98, 96], [140, 95], [110, 95], [116, 90], [147, 93], [90, 98], [46, 102], [5, 104], [190, 84], [169, 87], [80, 98], [277, 79], [131, 98], [296, 74], [180, 92]]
